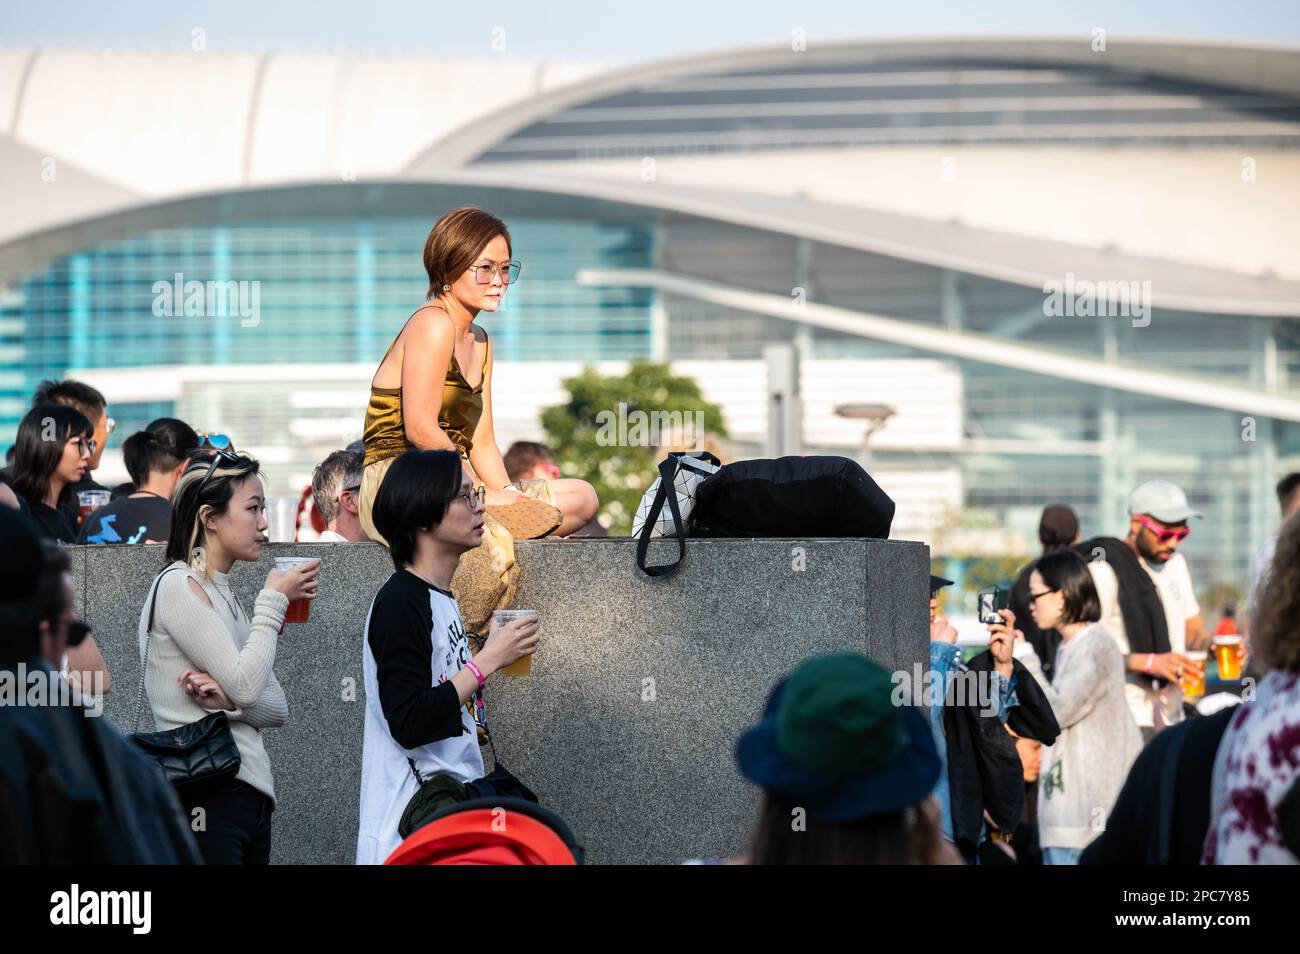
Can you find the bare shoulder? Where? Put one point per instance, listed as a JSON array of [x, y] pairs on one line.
[[173, 585], [430, 324], [198, 591]]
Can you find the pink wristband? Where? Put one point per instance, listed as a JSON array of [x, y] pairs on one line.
[[1151, 661], [478, 673]]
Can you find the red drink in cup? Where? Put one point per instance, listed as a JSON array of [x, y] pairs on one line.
[[89, 501], [299, 611]]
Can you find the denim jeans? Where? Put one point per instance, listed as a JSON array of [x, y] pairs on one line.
[[1061, 856], [236, 824]]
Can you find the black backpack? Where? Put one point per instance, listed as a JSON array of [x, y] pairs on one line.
[[792, 497]]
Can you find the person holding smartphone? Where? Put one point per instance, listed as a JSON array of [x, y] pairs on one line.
[[1081, 773]]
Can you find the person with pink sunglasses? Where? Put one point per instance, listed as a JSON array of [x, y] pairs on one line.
[[1156, 655]]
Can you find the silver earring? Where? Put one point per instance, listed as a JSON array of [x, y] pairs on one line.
[[446, 288]]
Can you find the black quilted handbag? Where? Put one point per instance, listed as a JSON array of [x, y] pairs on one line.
[[193, 756]]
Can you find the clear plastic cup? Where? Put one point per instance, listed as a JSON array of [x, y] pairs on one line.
[[1193, 685], [91, 500], [523, 666], [281, 519], [299, 611], [1228, 654]]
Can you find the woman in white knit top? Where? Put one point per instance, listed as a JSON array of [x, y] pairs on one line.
[[206, 653]]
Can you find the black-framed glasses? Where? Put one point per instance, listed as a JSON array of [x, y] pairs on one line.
[[353, 489], [1034, 597], [509, 273], [475, 496], [87, 445]]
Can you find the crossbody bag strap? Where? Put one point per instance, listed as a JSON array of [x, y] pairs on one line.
[[148, 635]]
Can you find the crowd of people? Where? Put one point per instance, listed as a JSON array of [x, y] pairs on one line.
[[1077, 745]]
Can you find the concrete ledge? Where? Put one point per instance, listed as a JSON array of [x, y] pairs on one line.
[[638, 692]]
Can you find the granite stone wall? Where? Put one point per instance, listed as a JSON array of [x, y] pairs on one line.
[[626, 726]]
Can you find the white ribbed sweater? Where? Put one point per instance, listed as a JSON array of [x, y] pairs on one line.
[[239, 655]]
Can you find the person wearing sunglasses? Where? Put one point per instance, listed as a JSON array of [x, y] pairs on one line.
[[1148, 603], [51, 454], [1081, 773], [433, 387], [529, 463]]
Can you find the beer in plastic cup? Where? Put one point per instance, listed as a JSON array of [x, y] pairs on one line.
[[524, 665], [1193, 685], [1228, 652], [299, 611], [89, 501]]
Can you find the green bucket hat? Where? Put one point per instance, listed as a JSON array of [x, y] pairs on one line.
[[832, 741]]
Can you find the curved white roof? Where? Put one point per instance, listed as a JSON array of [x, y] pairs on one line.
[[126, 130], [1265, 70], [162, 124]]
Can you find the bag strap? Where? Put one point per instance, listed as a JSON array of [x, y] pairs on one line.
[[667, 491], [144, 662]]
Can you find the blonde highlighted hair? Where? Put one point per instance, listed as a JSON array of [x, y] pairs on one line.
[[196, 490]]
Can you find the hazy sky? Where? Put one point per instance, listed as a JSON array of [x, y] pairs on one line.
[[605, 30]]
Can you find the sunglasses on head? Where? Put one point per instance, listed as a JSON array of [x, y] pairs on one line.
[[1162, 534], [219, 453]]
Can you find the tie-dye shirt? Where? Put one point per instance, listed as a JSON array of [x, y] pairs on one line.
[[1257, 764]]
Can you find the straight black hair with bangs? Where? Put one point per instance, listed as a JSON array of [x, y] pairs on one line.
[[414, 496]]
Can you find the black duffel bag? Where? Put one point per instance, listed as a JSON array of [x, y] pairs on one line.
[[792, 497]]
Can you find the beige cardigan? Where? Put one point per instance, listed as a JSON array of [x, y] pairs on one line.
[[237, 654]]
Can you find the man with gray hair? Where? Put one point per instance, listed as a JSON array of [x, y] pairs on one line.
[[335, 484]]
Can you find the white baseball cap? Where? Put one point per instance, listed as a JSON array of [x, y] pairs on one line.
[[1163, 500]]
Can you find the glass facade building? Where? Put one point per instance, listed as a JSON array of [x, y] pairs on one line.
[[334, 269]]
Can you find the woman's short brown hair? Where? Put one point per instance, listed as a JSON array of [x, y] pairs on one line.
[[455, 241], [1275, 632]]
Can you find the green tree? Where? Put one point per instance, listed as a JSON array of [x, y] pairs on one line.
[[1220, 594], [584, 432]]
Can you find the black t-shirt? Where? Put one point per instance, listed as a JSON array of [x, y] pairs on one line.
[[146, 519], [52, 523]]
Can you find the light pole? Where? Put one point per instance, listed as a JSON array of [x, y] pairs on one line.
[[874, 414]]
